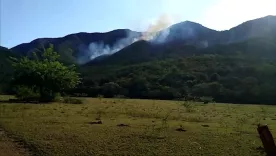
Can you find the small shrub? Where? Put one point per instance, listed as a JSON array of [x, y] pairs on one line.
[[206, 99], [123, 125], [96, 122], [100, 97], [58, 98], [99, 114], [80, 94], [119, 96], [181, 129], [72, 100], [189, 106], [24, 93]]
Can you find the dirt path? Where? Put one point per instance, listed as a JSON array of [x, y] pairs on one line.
[[9, 148]]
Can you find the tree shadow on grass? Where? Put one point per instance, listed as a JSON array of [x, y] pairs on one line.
[[19, 101]]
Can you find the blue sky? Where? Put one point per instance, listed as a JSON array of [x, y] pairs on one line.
[[22, 21]]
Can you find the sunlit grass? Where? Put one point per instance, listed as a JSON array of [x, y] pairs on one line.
[[149, 127]]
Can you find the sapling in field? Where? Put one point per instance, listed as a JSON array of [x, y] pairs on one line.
[[189, 106], [158, 131], [263, 112], [224, 124], [240, 122]]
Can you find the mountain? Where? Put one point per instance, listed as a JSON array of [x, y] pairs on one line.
[[187, 32], [177, 39], [80, 47], [196, 34], [261, 27], [143, 51], [180, 37]]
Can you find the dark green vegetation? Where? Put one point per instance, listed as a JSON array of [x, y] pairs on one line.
[[5, 68], [42, 77], [237, 73], [138, 127]]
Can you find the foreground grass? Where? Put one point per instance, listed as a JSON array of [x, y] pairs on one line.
[[9, 148], [148, 127]]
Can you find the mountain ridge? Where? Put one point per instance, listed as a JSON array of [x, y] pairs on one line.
[[82, 47]]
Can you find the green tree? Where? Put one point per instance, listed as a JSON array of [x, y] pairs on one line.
[[44, 75], [111, 89], [5, 69]]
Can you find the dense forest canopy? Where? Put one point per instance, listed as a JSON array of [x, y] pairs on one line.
[[235, 79], [242, 72]]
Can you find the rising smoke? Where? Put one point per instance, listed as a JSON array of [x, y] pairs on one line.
[[158, 29], [156, 32], [98, 49]]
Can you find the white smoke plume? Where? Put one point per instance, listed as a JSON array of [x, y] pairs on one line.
[[156, 32], [98, 49], [158, 29]]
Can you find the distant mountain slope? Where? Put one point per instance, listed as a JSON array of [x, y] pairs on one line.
[[142, 51], [261, 47], [81, 48], [77, 48], [261, 27], [196, 34], [188, 38], [189, 33]]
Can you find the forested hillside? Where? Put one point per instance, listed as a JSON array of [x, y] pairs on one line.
[[237, 73], [79, 48]]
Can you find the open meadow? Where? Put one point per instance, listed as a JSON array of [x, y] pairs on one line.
[[137, 127]]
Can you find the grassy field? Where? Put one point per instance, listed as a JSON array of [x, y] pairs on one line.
[[138, 127], [8, 147]]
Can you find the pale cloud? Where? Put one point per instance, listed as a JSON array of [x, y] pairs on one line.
[[156, 23], [170, 12], [214, 14], [225, 14]]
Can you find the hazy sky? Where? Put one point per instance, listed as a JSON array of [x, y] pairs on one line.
[[22, 21]]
